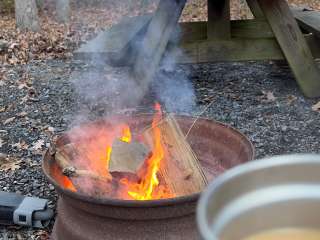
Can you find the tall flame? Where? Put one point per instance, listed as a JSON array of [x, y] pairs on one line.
[[149, 179], [146, 185]]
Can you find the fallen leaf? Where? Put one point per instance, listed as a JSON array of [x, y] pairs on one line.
[[24, 99], [291, 99], [22, 85], [316, 107], [19, 237], [22, 145], [9, 120], [51, 129], [38, 145], [2, 109], [8, 163], [22, 114], [3, 76], [269, 96]]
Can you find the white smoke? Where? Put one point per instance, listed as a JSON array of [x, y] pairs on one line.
[[111, 89]]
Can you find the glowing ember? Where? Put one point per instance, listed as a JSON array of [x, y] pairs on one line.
[[63, 180]]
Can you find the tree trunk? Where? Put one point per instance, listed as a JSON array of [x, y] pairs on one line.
[[63, 11], [27, 15], [40, 5]]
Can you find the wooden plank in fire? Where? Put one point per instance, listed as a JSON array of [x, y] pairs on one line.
[[180, 168]]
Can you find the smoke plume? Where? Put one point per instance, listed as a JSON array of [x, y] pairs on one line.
[[106, 89]]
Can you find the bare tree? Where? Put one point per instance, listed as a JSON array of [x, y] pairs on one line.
[[40, 5], [63, 10], [27, 17]]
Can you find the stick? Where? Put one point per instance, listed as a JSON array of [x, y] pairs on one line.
[[63, 158], [197, 118]]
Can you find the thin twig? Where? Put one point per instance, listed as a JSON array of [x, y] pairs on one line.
[[197, 118], [192, 125]]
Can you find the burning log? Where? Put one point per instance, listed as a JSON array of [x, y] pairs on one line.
[[64, 158], [81, 180], [180, 169]]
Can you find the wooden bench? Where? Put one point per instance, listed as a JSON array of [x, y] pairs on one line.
[[274, 34], [309, 20]]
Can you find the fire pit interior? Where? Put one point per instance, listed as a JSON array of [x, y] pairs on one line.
[[133, 211]]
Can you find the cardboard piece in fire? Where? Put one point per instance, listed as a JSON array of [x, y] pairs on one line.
[[127, 156]]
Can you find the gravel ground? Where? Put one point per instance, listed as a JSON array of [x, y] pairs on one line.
[[38, 101]]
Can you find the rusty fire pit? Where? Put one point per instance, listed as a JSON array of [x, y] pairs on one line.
[[83, 217]]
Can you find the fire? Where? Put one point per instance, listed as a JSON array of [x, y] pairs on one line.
[[126, 134], [109, 151], [62, 180], [146, 189], [149, 186], [145, 184]]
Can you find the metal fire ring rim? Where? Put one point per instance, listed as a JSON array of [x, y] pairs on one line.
[[136, 203]]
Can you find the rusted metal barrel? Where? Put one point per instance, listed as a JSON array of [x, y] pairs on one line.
[[276, 193], [82, 217]]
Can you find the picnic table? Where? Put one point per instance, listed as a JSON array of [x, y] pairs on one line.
[[273, 34]]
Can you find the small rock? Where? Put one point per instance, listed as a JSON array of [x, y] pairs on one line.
[[3, 157], [4, 45]]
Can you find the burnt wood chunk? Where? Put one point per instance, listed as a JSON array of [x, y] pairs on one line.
[[180, 168]]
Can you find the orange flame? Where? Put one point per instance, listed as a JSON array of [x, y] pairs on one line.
[[61, 179], [148, 188], [146, 185], [126, 134], [145, 190]]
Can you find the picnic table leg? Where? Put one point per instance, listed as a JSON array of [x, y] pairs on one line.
[[159, 32], [218, 26], [293, 45], [255, 9]]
